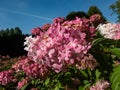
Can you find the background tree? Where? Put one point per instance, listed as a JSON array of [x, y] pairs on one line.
[[72, 15], [17, 30], [95, 10], [12, 42], [116, 9], [2, 33]]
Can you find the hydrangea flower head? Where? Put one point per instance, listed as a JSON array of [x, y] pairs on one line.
[[64, 44], [100, 85], [110, 31]]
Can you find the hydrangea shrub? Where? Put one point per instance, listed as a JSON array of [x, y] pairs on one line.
[[68, 55]]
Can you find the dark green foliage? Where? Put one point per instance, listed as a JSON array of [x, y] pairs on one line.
[[115, 79], [93, 10], [115, 75], [73, 15], [81, 14]]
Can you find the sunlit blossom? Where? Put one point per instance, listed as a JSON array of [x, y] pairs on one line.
[[64, 43], [110, 31]]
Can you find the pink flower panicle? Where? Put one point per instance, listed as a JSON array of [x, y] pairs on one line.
[[6, 77], [88, 61], [64, 43], [31, 68], [36, 70], [21, 64], [100, 85]]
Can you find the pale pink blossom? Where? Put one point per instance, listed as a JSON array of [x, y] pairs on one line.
[[36, 70], [18, 66], [100, 85], [65, 43], [88, 61], [110, 31]]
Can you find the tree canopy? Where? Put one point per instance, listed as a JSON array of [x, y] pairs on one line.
[[116, 9], [72, 15], [95, 10], [11, 42], [81, 14]]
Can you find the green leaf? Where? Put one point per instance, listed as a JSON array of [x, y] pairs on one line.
[[58, 86], [47, 81], [24, 87], [115, 79], [89, 72], [37, 82], [83, 73], [85, 81], [86, 86], [115, 72], [116, 51], [112, 77], [97, 41], [80, 88], [33, 82], [104, 41], [97, 74], [2, 88], [68, 75], [117, 86]]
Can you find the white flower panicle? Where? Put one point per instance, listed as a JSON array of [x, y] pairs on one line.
[[109, 30]]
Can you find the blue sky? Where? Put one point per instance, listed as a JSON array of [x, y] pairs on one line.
[[28, 14]]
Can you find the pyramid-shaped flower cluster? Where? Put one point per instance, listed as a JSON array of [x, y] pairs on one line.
[[64, 43], [110, 31]]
